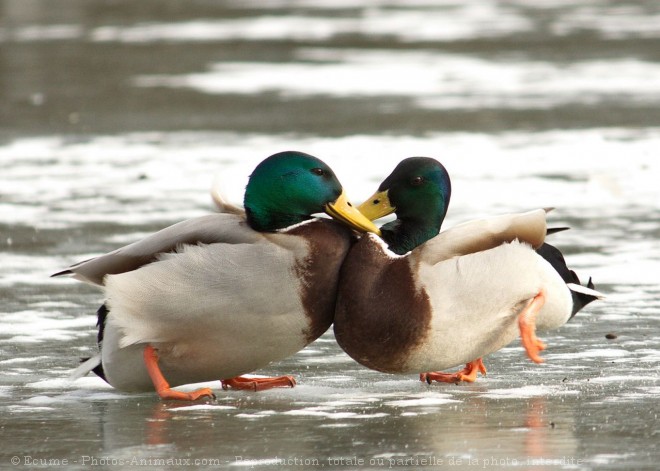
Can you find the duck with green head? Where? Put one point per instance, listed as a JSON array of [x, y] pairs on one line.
[[222, 295], [419, 300]]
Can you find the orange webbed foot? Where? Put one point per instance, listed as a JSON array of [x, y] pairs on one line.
[[258, 384], [467, 374], [186, 396], [162, 386], [527, 325]]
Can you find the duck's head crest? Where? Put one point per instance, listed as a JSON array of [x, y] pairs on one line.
[[288, 187]]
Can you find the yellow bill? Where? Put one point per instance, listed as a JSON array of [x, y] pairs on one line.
[[377, 206], [345, 212]]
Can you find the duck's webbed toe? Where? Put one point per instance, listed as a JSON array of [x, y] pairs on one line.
[[467, 374], [258, 384]]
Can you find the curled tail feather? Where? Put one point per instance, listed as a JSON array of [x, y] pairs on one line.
[[582, 295]]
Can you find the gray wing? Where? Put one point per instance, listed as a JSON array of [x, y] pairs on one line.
[[224, 227], [483, 234]]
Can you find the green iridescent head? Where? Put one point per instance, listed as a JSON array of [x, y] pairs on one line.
[[289, 187], [418, 191]]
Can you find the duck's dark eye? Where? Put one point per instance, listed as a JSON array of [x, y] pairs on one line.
[[416, 181], [318, 171]]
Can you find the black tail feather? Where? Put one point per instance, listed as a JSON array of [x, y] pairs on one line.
[[582, 299], [554, 230], [554, 256], [98, 370], [101, 316]]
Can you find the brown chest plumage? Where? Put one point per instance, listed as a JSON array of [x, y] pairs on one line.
[[319, 271], [381, 315]]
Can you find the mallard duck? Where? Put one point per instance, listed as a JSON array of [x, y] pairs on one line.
[[225, 294], [418, 301]]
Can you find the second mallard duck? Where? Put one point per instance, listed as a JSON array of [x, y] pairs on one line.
[[418, 301]]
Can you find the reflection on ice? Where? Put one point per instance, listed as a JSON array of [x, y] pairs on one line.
[[529, 391], [425, 400]]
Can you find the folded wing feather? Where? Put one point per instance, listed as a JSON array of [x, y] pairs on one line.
[[484, 234], [224, 227]]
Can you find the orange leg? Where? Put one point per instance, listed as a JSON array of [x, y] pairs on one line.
[[527, 325], [467, 374], [162, 386], [258, 384]]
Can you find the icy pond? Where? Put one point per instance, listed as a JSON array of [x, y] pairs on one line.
[[117, 117]]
